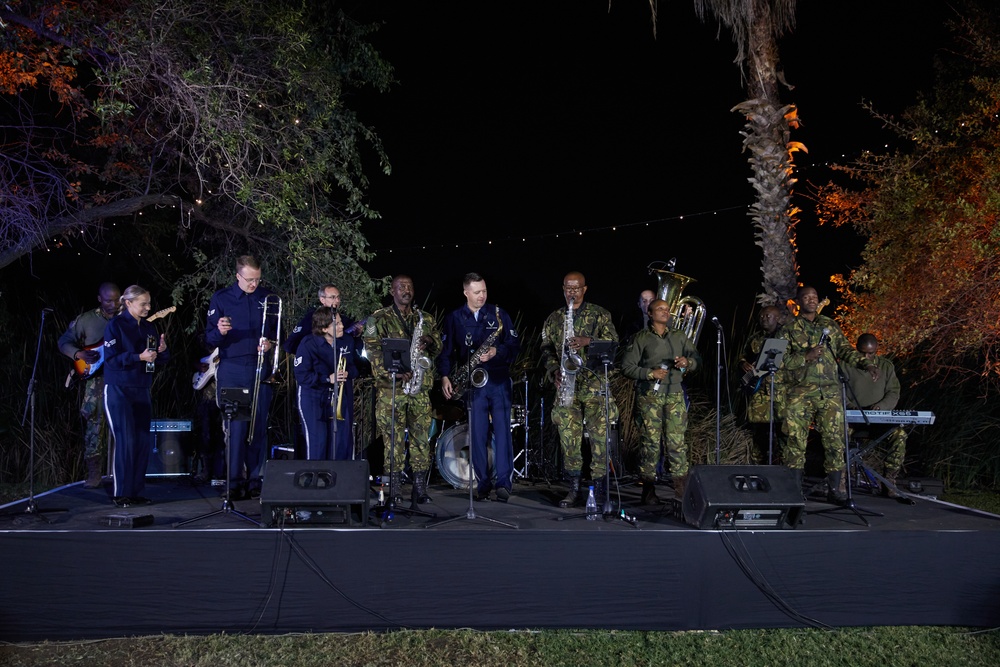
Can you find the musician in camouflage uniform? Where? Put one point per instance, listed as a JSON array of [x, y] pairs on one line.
[[657, 358], [413, 411], [759, 400], [590, 322], [83, 334], [881, 394], [815, 343]]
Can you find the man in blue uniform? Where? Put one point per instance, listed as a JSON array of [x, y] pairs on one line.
[[236, 326], [486, 333]]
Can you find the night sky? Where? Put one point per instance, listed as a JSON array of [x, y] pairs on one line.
[[525, 120]]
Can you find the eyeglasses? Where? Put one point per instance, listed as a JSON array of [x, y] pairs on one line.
[[250, 281], [572, 290]]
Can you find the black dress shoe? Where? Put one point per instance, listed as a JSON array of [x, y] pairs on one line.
[[122, 501], [483, 496], [503, 494], [139, 500]]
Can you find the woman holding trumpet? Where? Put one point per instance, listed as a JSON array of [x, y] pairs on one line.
[[324, 367]]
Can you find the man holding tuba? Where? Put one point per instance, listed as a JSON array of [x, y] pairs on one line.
[[412, 390], [566, 335], [657, 358], [479, 344], [237, 316]]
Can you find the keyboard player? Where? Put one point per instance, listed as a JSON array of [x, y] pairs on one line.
[[881, 394]]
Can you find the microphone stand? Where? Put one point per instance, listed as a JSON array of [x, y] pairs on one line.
[[718, 390], [470, 513], [29, 410], [849, 502]]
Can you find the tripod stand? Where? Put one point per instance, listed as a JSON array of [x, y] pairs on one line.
[[235, 403], [601, 354], [29, 411], [849, 504], [394, 351]]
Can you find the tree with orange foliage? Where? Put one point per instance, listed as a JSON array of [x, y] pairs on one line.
[[929, 283], [232, 114]]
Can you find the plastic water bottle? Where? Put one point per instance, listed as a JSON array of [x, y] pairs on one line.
[[591, 505]]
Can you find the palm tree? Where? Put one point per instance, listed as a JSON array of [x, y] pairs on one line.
[[756, 26]]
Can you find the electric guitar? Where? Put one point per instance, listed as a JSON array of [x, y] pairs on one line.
[[200, 379], [83, 369]]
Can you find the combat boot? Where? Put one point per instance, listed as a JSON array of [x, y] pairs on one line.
[[94, 478], [419, 494], [649, 496], [890, 485], [833, 492], [572, 498]]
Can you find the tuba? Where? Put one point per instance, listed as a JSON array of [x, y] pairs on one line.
[[419, 364], [687, 313]]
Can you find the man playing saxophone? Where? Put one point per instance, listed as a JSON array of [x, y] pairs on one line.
[[479, 344], [412, 390], [566, 335], [236, 325]]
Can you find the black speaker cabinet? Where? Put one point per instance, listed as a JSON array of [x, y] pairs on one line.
[[315, 493], [734, 496]]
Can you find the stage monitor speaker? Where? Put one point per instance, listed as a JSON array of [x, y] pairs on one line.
[[315, 493], [735, 496]]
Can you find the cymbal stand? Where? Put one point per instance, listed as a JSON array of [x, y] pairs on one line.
[[230, 409], [525, 452], [470, 513], [849, 504]]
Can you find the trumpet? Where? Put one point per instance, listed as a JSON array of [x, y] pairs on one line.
[[272, 309], [341, 366]]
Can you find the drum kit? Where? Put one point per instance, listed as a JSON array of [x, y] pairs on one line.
[[452, 454]]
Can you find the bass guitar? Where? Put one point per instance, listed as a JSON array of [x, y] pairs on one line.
[[753, 379], [201, 378]]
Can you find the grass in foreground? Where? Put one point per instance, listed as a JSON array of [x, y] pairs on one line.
[[853, 647]]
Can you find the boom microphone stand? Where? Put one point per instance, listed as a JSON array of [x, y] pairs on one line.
[[470, 513], [29, 409], [718, 390], [849, 503], [235, 403]]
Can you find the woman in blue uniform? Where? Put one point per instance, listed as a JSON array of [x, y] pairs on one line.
[[316, 369], [132, 350], [346, 346]]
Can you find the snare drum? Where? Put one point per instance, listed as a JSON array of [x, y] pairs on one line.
[[453, 457]]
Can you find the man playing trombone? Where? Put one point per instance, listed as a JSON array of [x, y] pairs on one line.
[[242, 321], [485, 333]]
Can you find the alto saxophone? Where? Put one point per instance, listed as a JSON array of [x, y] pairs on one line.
[[570, 363], [480, 376], [419, 363]]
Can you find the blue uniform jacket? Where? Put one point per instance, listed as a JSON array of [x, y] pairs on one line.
[[461, 323], [245, 312], [124, 340], [304, 328], [316, 360]]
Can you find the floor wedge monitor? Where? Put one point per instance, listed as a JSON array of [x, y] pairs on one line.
[[741, 496], [315, 493]]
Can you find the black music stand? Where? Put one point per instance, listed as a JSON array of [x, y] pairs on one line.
[[235, 403], [600, 357], [395, 359], [772, 353], [849, 503]]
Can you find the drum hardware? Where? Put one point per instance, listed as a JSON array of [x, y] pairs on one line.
[[454, 458]]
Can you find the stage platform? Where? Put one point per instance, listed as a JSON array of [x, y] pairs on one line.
[[91, 570]]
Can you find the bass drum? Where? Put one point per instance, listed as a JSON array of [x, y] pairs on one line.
[[453, 458]]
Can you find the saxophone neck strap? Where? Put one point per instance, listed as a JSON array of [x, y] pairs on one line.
[[407, 327]]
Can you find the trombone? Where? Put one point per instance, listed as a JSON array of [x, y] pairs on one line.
[[272, 310]]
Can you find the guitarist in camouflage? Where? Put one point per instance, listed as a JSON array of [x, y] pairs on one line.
[[83, 341]]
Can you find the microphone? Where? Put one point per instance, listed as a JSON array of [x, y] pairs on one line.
[[715, 321], [47, 310], [824, 338]]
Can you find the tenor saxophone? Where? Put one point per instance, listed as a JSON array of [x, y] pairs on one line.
[[460, 380], [419, 363], [570, 363]]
